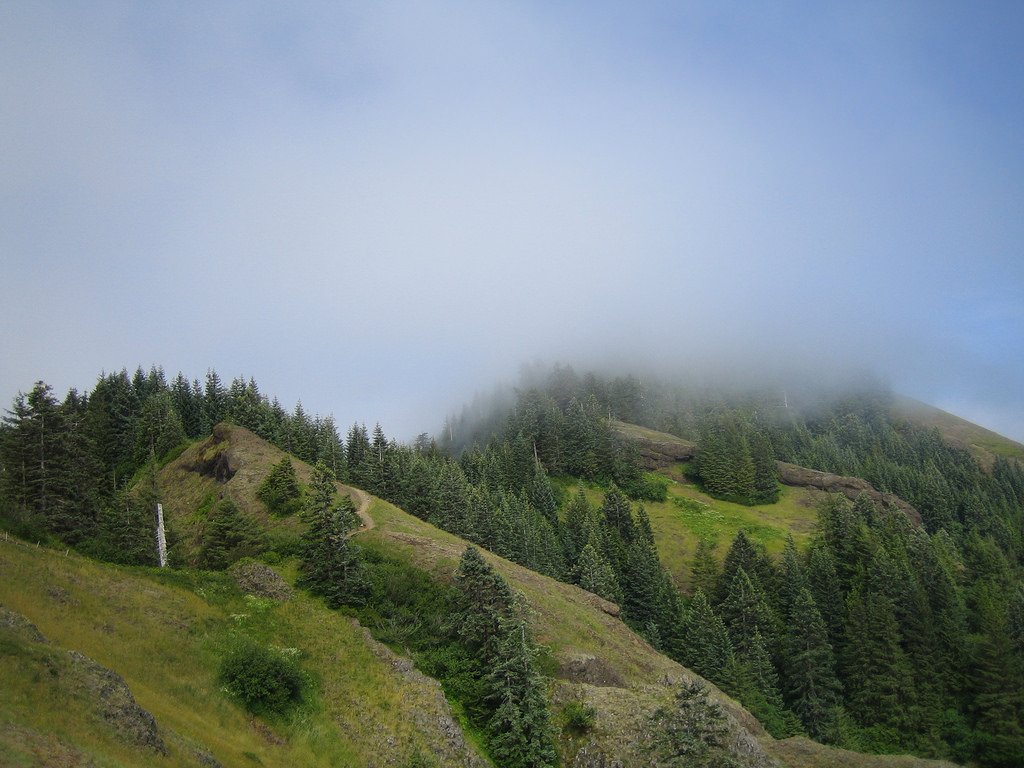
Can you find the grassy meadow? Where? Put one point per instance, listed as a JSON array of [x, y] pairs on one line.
[[165, 632]]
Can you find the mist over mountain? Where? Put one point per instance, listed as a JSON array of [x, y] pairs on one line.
[[381, 210]]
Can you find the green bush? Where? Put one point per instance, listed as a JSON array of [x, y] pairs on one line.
[[647, 487], [578, 716], [263, 680]]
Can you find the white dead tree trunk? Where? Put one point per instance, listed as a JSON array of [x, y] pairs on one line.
[[161, 538]]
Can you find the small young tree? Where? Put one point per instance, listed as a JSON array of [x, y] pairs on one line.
[[229, 536], [690, 732], [280, 489]]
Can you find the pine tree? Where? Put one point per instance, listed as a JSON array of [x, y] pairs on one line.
[[486, 599], [707, 648], [792, 578], [812, 687], [746, 613], [643, 581], [280, 489], [997, 681], [575, 535], [230, 535], [876, 674], [330, 563], [215, 402], [690, 732], [705, 568], [594, 574], [823, 583], [744, 555], [520, 732]]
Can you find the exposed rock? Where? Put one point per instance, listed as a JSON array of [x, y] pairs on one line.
[[433, 716], [659, 454], [621, 734], [850, 487], [20, 627], [591, 670], [214, 457], [261, 580], [115, 704], [605, 606]]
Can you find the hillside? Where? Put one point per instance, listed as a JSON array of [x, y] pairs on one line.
[[984, 444], [892, 610], [164, 633], [373, 708]]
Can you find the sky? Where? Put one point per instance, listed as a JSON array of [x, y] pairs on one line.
[[378, 209]]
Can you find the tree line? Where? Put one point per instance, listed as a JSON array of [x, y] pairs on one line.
[[83, 468], [880, 636]]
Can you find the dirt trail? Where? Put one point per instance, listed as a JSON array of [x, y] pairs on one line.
[[362, 500]]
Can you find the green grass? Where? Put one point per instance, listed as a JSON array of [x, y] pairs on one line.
[[127, 619], [688, 515]]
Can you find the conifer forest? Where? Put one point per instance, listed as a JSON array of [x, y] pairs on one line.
[[879, 631]]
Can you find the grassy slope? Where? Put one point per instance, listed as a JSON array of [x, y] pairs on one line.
[[585, 645], [983, 443], [126, 619], [689, 515]]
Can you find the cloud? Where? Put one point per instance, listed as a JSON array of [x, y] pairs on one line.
[[369, 206]]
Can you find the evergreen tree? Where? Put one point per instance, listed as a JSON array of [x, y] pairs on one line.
[[158, 429], [705, 568], [749, 557], [486, 599], [230, 535], [594, 574], [575, 536], [691, 732], [876, 674], [520, 732], [997, 682], [746, 613], [708, 650], [792, 578], [823, 582], [280, 489], [643, 583], [215, 401], [330, 563], [812, 687], [49, 466]]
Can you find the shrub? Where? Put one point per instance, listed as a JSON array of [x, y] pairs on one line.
[[264, 681], [578, 716], [647, 487]]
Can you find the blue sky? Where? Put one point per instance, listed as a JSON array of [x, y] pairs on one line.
[[380, 208]]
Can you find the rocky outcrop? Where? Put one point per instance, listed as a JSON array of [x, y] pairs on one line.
[[850, 487], [214, 458], [110, 699], [431, 713], [660, 454], [114, 703], [260, 580], [585, 668]]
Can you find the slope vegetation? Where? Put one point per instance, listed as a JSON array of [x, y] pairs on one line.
[[72, 628], [72, 625]]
